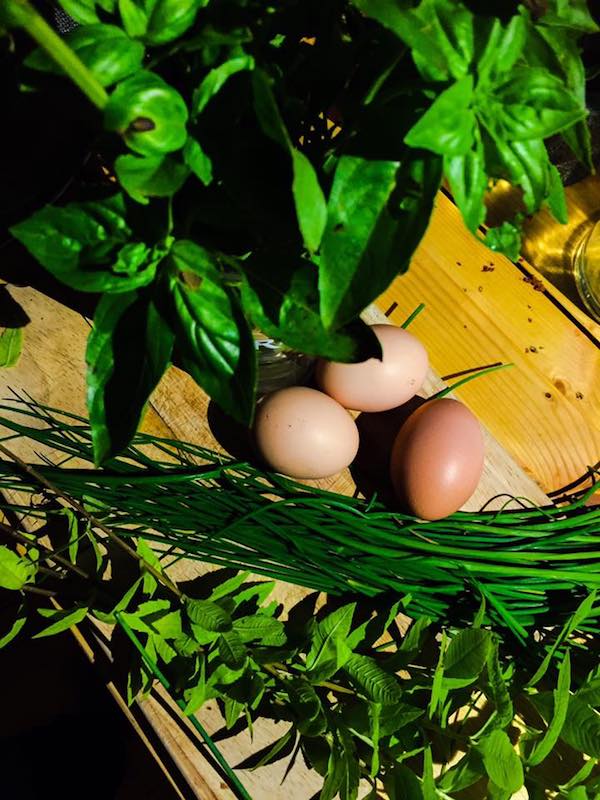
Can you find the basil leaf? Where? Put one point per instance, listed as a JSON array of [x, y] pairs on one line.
[[448, 125], [149, 114], [281, 296], [11, 342], [311, 209], [15, 571], [413, 31], [121, 378], [527, 165], [555, 198], [105, 50], [467, 177], [168, 19], [78, 244], [450, 30], [152, 176], [216, 79], [506, 239], [502, 46], [197, 160], [190, 257], [82, 11], [216, 344], [534, 105], [134, 17], [575, 15], [377, 213]]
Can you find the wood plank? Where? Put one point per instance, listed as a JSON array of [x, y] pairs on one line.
[[546, 410]]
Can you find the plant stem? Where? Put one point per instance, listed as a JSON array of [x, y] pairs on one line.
[[20, 12], [49, 555]]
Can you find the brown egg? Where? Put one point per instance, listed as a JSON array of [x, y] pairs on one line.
[[304, 433], [437, 459], [375, 385]]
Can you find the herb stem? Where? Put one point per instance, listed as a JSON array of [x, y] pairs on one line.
[[20, 12]]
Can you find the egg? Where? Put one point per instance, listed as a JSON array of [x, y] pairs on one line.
[[437, 459], [378, 385], [304, 433]]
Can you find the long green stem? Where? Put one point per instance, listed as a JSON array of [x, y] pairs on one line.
[[21, 13]]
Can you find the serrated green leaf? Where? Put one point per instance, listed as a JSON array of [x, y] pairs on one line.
[[501, 762], [498, 689], [306, 707], [466, 654], [208, 615], [372, 681], [328, 650], [15, 571], [232, 649], [62, 620], [233, 709], [465, 773], [230, 586], [258, 628], [200, 693]]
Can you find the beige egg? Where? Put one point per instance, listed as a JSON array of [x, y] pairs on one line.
[[437, 459], [303, 433], [375, 385]]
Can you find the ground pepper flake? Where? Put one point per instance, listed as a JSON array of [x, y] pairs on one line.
[[488, 268], [535, 283]]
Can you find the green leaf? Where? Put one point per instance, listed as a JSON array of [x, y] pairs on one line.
[[414, 31], [545, 745], [465, 773], [14, 629], [149, 557], [281, 748], [415, 636], [306, 707], [73, 533], [199, 694], [506, 239], [79, 243], [15, 571], [336, 771], [233, 709], [134, 17], [575, 15], [377, 213], [501, 762], [450, 28], [468, 180], [216, 344], [448, 125], [281, 296], [401, 783], [168, 19], [579, 139], [152, 176], [374, 711], [216, 79], [255, 592], [371, 680], [311, 208], [105, 50], [498, 690], [120, 379], [149, 114], [263, 630], [329, 651], [61, 620], [534, 105], [208, 615], [351, 769], [556, 200], [197, 160], [82, 11], [191, 257], [428, 782], [11, 342], [232, 650], [502, 47], [581, 728], [466, 654]]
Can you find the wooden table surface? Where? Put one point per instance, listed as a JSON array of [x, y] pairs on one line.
[[542, 417]]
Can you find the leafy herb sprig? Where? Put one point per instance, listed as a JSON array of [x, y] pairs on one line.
[[216, 123]]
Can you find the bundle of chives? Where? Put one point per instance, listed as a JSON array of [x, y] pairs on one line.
[[532, 565]]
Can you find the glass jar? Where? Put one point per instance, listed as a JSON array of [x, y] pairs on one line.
[[278, 366], [586, 268]]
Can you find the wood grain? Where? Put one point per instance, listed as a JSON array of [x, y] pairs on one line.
[[546, 410]]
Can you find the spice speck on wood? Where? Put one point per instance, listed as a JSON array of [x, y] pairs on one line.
[[480, 288], [534, 282], [548, 395], [529, 319], [579, 395], [533, 349], [488, 268]]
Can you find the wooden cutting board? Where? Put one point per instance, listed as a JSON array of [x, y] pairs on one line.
[[52, 371]]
